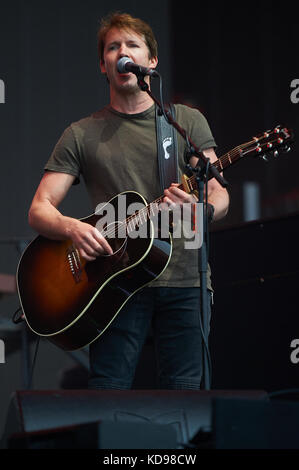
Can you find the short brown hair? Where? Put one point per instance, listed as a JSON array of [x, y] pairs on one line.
[[126, 21]]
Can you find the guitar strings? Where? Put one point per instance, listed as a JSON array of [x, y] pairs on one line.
[[146, 211]]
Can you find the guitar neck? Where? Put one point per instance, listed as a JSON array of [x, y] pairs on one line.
[[220, 164], [228, 159], [262, 145], [152, 209]]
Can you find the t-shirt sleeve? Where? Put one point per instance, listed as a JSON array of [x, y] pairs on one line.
[[201, 132], [65, 157], [196, 126]]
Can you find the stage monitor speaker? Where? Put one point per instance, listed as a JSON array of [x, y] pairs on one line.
[[185, 410], [253, 424], [98, 435]]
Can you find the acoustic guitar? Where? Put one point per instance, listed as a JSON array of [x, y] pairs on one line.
[[70, 301]]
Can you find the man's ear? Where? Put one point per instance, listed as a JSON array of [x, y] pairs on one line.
[[103, 69], [154, 62], [102, 66]]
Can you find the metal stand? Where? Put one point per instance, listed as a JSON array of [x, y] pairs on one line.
[[21, 244], [203, 171]]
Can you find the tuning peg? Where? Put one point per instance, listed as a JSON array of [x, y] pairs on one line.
[[265, 158], [275, 153], [286, 149]]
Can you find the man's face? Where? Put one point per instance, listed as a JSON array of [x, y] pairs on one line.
[[120, 43]]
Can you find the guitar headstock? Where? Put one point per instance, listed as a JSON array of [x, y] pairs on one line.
[[271, 142]]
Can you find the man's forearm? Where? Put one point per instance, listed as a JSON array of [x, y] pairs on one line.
[[220, 201], [45, 219]]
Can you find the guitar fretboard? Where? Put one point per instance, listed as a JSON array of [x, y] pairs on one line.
[[152, 209], [263, 144]]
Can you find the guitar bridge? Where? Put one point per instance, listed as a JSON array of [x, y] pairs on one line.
[[73, 258]]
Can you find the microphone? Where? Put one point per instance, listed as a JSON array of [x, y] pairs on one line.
[[125, 64]]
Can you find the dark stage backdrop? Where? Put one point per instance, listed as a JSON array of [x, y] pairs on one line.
[[238, 62]]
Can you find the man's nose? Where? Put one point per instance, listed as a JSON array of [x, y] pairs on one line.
[[123, 51]]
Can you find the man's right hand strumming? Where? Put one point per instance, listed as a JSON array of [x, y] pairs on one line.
[[88, 240], [45, 218]]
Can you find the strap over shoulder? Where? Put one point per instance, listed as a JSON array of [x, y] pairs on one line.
[[167, 149]]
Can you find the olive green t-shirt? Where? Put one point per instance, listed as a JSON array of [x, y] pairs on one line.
[[116, 152]]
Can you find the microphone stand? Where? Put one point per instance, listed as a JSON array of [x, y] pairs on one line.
[[20, 244], [203, 172]]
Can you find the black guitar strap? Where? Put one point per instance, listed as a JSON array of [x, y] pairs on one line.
[[167, 147]]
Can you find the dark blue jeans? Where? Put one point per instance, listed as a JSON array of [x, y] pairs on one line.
[[174, 316]]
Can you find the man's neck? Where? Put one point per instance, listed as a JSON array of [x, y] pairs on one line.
[[133, 103]]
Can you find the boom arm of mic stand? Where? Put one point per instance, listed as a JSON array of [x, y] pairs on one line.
[[195, 151]]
